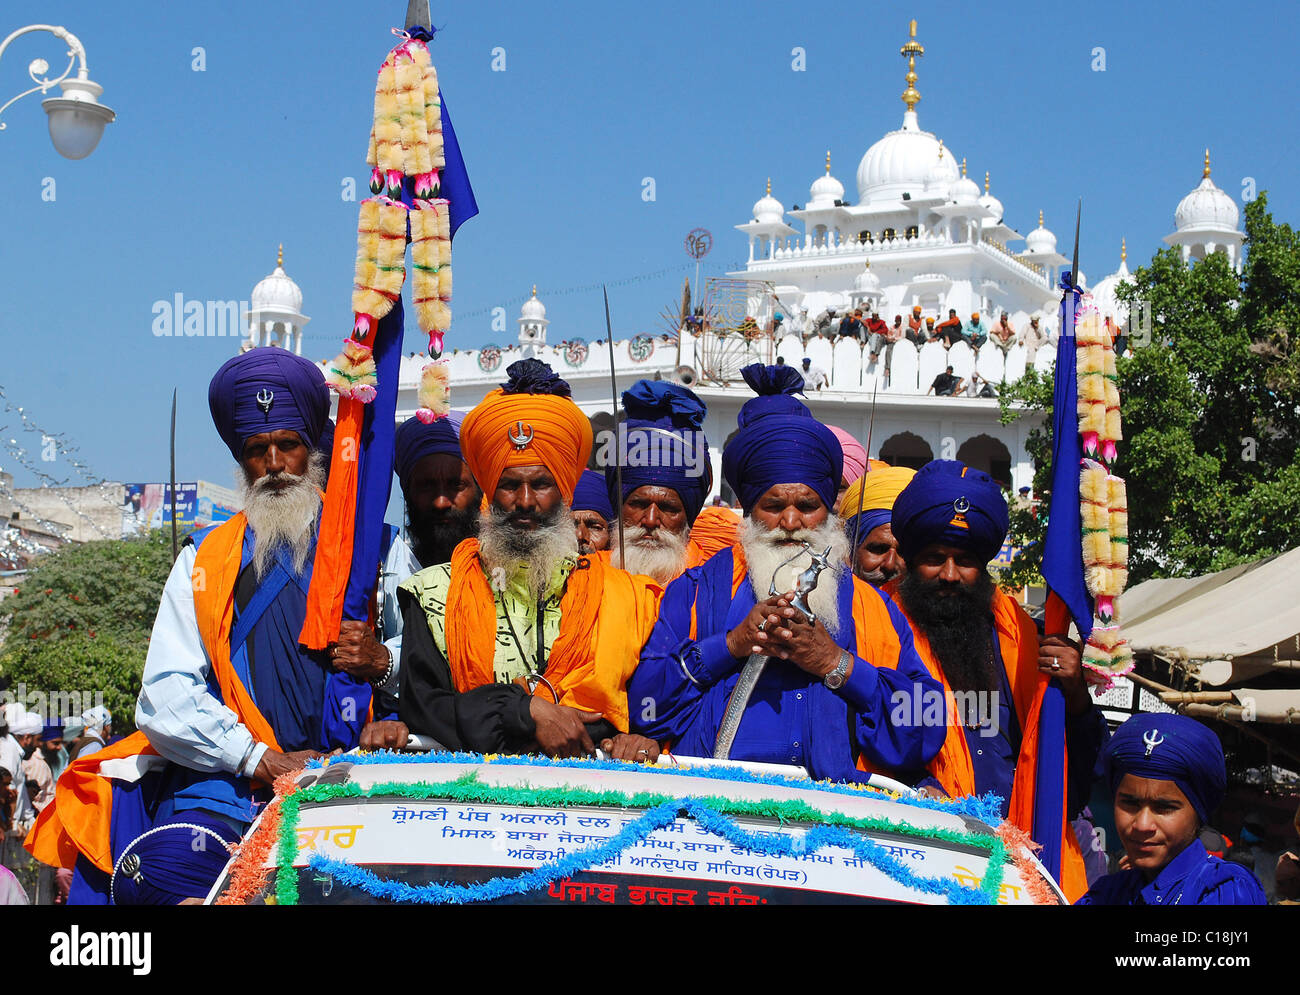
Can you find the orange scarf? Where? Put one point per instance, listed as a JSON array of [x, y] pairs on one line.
[[714, 530], [952, 766], [79, 819], [605, 619]]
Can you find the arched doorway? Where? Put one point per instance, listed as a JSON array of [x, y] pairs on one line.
[[983, 452], [906, 449]]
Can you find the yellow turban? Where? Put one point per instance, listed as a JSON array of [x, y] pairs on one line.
[[878, 489], [525, 429]]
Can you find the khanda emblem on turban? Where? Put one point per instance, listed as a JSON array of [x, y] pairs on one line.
[[264, 398], [521, 435], [1152, 738], [960, 507]]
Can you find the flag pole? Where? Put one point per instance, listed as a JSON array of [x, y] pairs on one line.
[[618, 463]]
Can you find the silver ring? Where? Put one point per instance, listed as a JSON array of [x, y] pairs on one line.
[[1056, 664], [762, 626], [643, 753]]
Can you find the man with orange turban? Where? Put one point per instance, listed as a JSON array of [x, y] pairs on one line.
[[520, 644], [865, 509]]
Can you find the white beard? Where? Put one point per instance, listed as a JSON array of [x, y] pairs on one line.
[[285, 517], [507, 550], [765, 556], [658, 554]]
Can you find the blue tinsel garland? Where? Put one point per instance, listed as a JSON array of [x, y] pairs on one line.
[[816, 838], [986, 808]]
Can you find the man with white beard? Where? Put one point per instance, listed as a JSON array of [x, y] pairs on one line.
[[666, 475], [520, 644], [832, 688], [230, 700]]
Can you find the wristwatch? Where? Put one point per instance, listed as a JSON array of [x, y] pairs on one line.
[[835, 679]]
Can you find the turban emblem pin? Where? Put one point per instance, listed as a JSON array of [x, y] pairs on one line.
[[1152, 738], [521, 435], [264, 398], [961, 505]]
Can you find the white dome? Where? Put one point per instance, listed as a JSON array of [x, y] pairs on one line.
[[768, 210], [867, 281], [277, 293], [533, 309], [1040, 240], [1104, 296], [990, 204], [826, 190], [964, 192], [901, 162], [1206, 207]]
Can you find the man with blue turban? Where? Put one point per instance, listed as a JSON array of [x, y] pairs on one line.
[[834, 686], [230, 699], [666, 476], [442, 498], [593, 515], [1167, 775], [949, 522]]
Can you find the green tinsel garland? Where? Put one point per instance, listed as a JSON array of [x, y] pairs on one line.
[[468, 788]]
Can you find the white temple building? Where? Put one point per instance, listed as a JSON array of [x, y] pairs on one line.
[[275, 315], [920, 233]]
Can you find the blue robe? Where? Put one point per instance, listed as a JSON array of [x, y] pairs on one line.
[[1192, 878], [680, 690]]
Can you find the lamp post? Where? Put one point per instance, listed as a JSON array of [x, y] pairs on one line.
[[76, 118]]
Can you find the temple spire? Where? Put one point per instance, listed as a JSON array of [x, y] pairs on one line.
[[1206, 173], [910, 51], [279, 256]]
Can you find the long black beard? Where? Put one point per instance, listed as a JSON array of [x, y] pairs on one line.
[[436, 534], [959, 627]]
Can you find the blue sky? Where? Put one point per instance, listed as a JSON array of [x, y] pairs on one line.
[[204, 173]]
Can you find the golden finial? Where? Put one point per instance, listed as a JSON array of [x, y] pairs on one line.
[[986, 181], [963, 166], [534, 290], [828, 162], [1205, 174], [1040, 217], [1123, 250], [279, 256], [769, 186], [940, 149], [910, 51]]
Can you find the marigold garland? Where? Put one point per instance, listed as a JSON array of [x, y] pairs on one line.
[[829, 829]]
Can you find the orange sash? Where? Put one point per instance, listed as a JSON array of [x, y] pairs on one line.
[[79, 819], [606, 616], [952, 766]]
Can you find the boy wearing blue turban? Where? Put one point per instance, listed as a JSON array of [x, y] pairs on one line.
[[1168, 777], [666, 475], [834, 686]]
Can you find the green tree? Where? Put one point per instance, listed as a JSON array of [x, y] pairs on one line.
[[81, 620], [1211, 408]]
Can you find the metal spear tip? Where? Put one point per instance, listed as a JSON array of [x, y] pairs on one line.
[[417, 12]]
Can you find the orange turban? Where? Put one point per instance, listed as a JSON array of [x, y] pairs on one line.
[[528, 422]]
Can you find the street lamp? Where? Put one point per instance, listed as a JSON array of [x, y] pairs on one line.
[[77, 118]]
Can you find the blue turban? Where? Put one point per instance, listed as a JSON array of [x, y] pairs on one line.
[[415, 440], [1167, 747], [172, 862], [665, 426], [293, 392], [951, 503], [780, 442], [591, 495]]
